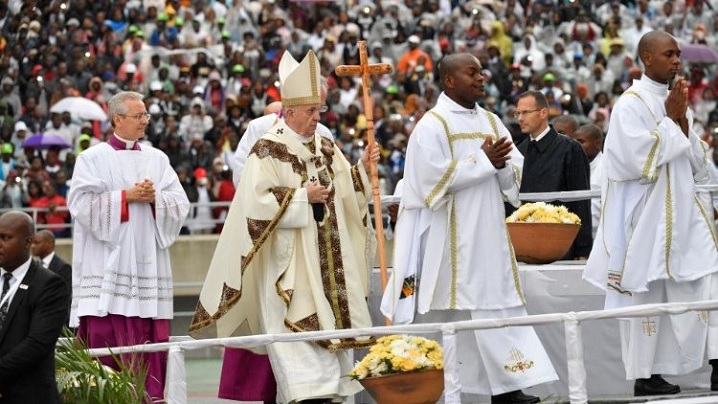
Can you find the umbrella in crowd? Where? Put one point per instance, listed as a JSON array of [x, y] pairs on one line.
[[697, 53], [81, 107], [45, 141]]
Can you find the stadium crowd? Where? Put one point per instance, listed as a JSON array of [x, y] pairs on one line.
[[207, 68]]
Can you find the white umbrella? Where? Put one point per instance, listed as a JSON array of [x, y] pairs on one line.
[[81, 107]]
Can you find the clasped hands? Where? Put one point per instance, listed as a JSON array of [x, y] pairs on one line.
[[142, 192], [498, 152], [677, 104]]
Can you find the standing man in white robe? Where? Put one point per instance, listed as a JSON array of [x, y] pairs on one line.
[[294, 252], [128, 207], [453, 257], [655, 243]]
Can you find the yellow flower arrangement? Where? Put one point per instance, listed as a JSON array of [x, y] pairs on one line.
[[399, 354], [541, 212]]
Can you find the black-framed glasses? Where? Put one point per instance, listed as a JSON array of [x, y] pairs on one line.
[[138, 117]]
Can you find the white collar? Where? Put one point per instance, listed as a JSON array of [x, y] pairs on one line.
[[19, 272], [18, 275], [542, 134], [455, 108], [47, 259]]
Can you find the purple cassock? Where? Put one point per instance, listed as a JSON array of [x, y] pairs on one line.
[[246, 376]]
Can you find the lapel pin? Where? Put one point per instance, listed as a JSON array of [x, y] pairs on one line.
[[23, 286]]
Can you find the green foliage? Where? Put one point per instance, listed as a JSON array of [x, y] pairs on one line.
[[83, 380]]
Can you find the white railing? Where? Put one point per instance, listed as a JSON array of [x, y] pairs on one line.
[[176, 387]]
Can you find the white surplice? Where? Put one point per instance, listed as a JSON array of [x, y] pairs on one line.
[[655, 242], [452, 253], [123, 267], [597, 180]]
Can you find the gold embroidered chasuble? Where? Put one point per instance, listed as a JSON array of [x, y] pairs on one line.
[[276, 269]]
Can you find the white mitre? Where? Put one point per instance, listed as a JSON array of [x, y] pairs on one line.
[[301, 82]]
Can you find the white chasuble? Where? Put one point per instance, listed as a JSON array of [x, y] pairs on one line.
[[277, 270]]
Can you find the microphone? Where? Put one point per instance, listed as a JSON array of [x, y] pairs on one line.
[[318, 210]]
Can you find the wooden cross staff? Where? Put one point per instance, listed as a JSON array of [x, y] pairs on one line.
[[364, 69]]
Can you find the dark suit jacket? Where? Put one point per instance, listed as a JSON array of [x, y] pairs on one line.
[[62, 268], [558, 163], [28, 337]]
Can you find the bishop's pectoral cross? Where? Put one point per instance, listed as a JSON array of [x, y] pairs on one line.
[[365, 70]]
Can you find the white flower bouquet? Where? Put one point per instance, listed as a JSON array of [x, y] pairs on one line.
[[541, 212], [399, 354]]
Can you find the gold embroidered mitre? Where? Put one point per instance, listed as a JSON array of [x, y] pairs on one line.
[[300, 81]]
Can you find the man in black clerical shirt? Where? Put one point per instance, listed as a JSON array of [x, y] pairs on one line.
[[552, 163]]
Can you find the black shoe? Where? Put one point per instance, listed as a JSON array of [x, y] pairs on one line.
[[514, 397], [655, 386], [714, 374]]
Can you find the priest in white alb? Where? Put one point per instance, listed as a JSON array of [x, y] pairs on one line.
[[128, 208], [655, 242], [453, 259], [294, 254]]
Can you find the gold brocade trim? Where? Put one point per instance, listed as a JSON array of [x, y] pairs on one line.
[[652, 152], [441, 184], [268, 230], [454, 246], [669, 223], [515, 268], [443, 123], [348, 343], [651, 157], [356, 179], [708, 222], [333, 297], [517, 175], [200, 319], [455, 137], [494, 125]]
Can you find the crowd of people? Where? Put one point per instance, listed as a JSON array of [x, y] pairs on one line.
[[208, 67]]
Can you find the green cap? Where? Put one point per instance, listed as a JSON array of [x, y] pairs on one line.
[[179, 21], [392, 89], [83, 137], [133, 28], [6, 148], [140, 33], [549, 77], [237, 69], [226, 34], [163, 17], [221, 20]]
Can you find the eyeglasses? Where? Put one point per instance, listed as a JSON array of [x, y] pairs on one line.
[[138, 117], [518, 114], [313, 110]]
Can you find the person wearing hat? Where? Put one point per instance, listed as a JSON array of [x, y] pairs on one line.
[[7, 160], [164, 34], [287, 194], [413, 56], [8, 93], [549, 86], [128, 206], [19, 136]]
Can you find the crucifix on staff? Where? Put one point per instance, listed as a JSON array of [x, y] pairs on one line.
[[365, 70]]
